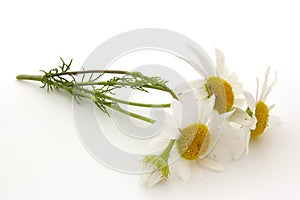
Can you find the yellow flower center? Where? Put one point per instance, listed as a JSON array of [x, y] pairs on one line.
[[223, 92], [262, 116], [193, 141]]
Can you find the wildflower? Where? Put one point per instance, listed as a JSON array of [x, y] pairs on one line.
[[155, 167], [257, 108], [198, 130], [218, 81]]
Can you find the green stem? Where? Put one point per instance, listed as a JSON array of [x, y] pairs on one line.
[[74, 90], [131, 103], [29, 77], [165, 89], [146, 105], [39, 78], [138, 104], [166, 153], [131, 114], [92, 98], [92, 71]]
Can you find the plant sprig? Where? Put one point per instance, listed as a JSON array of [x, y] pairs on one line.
[[99, 91]]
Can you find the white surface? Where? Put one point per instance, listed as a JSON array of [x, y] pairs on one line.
[[41, 156]]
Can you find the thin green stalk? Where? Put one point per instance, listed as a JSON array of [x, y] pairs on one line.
[[126, 102], [131, 114], [91, 72], [29, 77], [103, 83], [75, 91], [39, 78], [138, 104], [92, 98], [166, 153], [163, 88]]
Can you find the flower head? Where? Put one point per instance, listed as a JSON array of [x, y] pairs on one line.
[[227, 92], [220, 82], [156, 167], [211, 122], [193, 141], [155, 170], [257, 108], [199, 127], [198, 130]]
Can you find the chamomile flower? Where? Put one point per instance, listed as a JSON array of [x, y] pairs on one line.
[[218, 81], [227, 89], [198, 130], [155, 167], [198, 133], [257, 108]]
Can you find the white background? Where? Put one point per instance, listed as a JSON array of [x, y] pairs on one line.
[[41, 156]]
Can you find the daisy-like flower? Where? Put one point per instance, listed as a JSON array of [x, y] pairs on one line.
[[196, 127], [228, 92], [156, 168], [198, 133], [257, 108], [218, 81]]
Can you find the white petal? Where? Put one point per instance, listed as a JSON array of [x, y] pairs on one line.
[[223, 72], [215, 128], [254, 121], [231, 145], [238, 88], [271, 107], [205, 62], [217, 121], [196, 84], [184, 169], [190, 109], [176, 111], [211, 164], [257, 90], [265, 85], [199, 83], [250, 100], [271, 87], [144, 178], [248, 136], [197, 171], [170, 129], [189, 86], [233, 78], [221, 69], [197, 67], [239, 102], [206, 109], [220, 58], [266, 88], [219, 154], [146, 172], [154, 178], [241, 118], [228, 114]]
